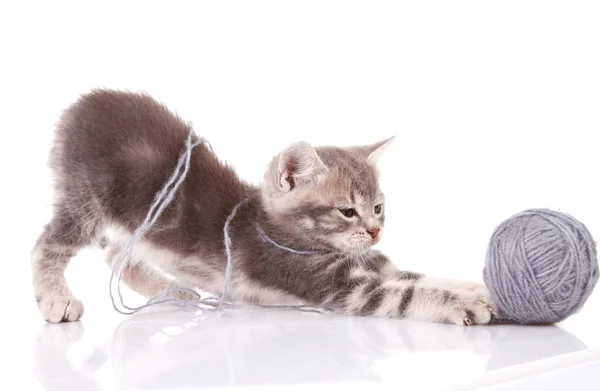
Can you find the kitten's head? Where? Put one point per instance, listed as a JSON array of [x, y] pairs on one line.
[[327, 194]]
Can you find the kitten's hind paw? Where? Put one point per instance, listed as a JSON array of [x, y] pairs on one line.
[[60, 309]]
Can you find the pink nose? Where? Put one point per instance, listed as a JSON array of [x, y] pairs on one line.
[[373, 232]]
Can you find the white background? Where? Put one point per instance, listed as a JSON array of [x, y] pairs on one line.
[[495, 105]]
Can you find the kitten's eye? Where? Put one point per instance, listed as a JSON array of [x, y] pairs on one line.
[[350, 212], [378, 209]]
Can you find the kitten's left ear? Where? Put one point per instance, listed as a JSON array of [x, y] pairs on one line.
[[374, 151], [299, 165]]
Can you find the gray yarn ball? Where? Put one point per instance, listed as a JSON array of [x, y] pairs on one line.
[[541, 267]]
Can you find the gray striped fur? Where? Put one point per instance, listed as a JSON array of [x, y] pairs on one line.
[[113, 151]]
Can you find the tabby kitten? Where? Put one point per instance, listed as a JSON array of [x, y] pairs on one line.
[[114, 150]]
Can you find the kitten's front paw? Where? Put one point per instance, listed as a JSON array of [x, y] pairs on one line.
[[60, 309], [472, 309]]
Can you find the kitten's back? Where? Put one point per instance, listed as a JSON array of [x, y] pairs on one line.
[[114, 150]]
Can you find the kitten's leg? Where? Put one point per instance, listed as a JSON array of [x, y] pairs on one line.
[[391, 271], [142, 278], [403, 296], [59, 242], [470, 286]]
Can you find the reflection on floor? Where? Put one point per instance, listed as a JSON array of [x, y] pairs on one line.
[[181, 350]]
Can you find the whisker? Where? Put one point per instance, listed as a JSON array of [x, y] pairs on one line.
[[358, 258], [367, 261], [366, 265], [337, 262]]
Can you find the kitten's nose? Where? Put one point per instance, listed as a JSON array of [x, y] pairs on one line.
[[373, 232]]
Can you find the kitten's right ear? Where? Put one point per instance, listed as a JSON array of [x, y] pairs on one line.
[[374, 151], [299, 165]]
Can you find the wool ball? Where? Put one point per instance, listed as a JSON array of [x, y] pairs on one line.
[[541, 267]]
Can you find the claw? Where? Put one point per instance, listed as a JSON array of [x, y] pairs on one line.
[[467, 321]]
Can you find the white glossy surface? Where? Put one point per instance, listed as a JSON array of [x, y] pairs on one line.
[[181, 350]]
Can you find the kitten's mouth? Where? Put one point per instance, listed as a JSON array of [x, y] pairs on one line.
[[362, 244], [357, 242], [360, 240]]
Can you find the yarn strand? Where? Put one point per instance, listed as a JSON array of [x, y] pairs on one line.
[[227, 240], [161, 201], [267, 239]]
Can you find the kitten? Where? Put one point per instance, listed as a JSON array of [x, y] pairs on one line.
[[114, 150]]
